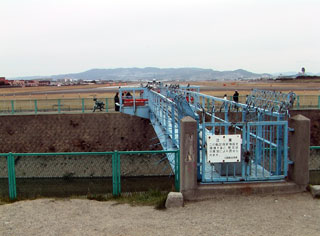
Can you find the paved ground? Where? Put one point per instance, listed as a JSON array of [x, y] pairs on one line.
[[297, 214]]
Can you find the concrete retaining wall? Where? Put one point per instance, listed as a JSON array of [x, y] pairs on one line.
[[47, 175]]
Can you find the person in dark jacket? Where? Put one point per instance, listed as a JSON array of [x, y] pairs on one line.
[[128, 95], [236, 96], [116, 102]]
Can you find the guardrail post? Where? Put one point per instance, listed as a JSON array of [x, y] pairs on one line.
[[82, 104], [134, 101], [177, 170], [114, 177], [226, 118], [259, 152], [280, 146], [213, 114], [107, 105], [116, 186], [173, 134], [167, 123], [298, 101], [319, 102], [35, 106], [12, 107], [11, 177], [59, 105], [119, 174]]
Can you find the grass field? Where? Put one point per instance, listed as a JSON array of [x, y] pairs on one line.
[[60, 92], [307, 89]]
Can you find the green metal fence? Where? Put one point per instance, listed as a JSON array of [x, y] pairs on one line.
[[314, 160], [63, 105], [307, 102], [314, 165], [13, 158], [83, 105]]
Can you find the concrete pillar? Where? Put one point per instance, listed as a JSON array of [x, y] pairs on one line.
[[188, 155], [299, 143]]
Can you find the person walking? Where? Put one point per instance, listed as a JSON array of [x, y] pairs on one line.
[[116, 102], [236, 96]]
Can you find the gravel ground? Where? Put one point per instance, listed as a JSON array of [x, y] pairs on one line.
[[297, 214]]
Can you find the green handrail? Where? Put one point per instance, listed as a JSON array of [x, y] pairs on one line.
[[58, 153], [12, 107], [59, 105], [35, 106], [116, 167], [82, 105], [23, 105], [147, 152]]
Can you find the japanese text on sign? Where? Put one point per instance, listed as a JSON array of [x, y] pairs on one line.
[[223, 148]]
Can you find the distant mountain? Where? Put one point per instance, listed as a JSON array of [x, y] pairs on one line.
[[294, 73], [28, 77], [287, 73], [150, 73], [240, 74]]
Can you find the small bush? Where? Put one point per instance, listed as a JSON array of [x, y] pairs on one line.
[[98, 197], [154, 198], [6, 200]]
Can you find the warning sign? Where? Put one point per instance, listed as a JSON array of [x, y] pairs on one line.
[[223, 148]]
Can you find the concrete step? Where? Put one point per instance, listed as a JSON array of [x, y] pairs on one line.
[[209, 191], [315, 191]]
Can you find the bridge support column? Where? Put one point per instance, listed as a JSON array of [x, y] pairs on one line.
[[299, 142], [188, 156]]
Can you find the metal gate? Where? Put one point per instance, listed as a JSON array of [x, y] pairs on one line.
[[263, 154]]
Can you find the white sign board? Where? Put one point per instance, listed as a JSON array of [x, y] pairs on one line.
[[223, 148]]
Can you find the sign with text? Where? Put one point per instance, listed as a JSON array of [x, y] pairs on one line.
[[224, 148]]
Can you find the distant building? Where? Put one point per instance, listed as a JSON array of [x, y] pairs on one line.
[[44, 82], [67, 81], [54, 83], [17, 83], [31, 83], [89, 81], [3, 81]]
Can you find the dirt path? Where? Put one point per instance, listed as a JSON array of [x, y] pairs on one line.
[[297, 214]]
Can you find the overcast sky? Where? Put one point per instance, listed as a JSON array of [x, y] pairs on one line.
[[39, 37]]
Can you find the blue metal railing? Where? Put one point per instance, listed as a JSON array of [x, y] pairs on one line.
[[261, 129]]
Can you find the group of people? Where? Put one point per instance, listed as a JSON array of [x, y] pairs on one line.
[[117, 99], [235, 96]]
